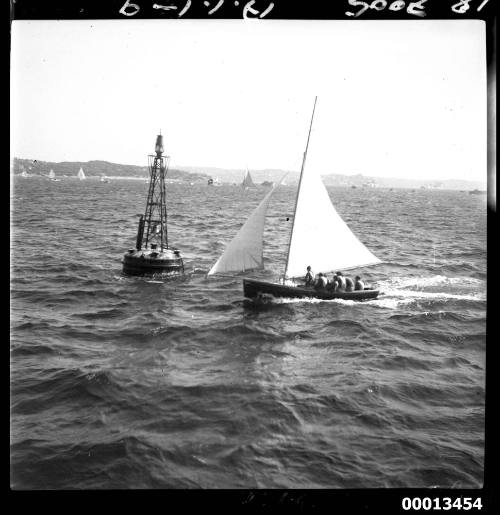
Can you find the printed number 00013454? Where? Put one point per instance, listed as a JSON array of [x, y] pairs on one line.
[[445, 503]]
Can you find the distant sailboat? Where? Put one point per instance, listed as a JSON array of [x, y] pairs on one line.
[[52, 176], [24, 174], [319, 238], [247, 181], [81, 174]]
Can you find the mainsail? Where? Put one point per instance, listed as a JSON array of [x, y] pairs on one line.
[[319, 237], [81, 175], [244, 251], [52, 175], [247, 181]]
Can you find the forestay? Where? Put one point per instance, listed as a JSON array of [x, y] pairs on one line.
[[244, 251], [320, 238]]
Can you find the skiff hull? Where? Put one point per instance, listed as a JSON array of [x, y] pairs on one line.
[[253, 289]]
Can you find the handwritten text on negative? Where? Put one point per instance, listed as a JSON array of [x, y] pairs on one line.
[[416, 8]]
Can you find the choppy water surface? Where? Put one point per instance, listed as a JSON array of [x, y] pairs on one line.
[[120, 382]]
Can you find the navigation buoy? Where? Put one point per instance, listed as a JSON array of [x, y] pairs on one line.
[[152, 253]]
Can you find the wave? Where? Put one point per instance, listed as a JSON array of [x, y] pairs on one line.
[[427, 281], [428, 316], [124, 462], [23, 349], [62, 386], [113, 312]]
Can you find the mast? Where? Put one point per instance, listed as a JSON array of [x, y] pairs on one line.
[[298, 189]]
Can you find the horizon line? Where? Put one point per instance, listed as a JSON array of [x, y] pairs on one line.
[[180, 166]]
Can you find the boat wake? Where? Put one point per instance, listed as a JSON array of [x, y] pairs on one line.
[[401, 291]]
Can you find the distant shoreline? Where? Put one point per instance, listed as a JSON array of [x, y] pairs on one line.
[[201, 175]]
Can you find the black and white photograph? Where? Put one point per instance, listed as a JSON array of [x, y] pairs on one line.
[[248, 253]]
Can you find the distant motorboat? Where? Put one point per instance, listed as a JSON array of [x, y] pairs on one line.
[[210, 182], [477, 192], [103, 179], [81, 174], [24, 174]]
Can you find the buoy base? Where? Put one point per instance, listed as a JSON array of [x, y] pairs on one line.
[[150, 262]]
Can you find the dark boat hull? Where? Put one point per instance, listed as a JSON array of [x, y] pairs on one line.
[[254, 289], [152, 263]]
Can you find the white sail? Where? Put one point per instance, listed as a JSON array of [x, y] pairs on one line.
[[320, 238], [52, 175], [244, 251], [247, 181], [81, 175]]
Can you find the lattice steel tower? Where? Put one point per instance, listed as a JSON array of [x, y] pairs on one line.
[[152, 253], [153, 225]]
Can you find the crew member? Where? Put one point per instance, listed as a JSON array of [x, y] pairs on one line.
[[309, 277], [321, 282], [349, 284], [359, 285], [341, 282], [332, 285]]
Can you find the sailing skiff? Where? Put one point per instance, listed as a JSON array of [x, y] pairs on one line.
[[253, 288], [319, 238]]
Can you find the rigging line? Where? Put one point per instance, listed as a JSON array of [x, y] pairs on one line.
[[298, 189]]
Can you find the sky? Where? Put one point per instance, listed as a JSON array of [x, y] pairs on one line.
[[403, 99]]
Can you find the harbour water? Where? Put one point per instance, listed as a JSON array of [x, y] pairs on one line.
[[126, 382]]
